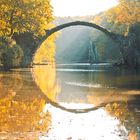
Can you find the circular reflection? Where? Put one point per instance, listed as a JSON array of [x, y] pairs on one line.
[[45, 78], [117, 103]]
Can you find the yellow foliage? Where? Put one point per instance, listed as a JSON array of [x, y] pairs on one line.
[[97, 20], [132, 135], [21, 107], [126, 12], [16, 116], [25, 15], [45, 78], [46, 51], [119, 110]]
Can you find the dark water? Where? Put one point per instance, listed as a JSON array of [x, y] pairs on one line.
[[70, 102]]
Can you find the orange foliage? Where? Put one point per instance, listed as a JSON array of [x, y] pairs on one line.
[[22, 116], [126, 12], [45, 78]]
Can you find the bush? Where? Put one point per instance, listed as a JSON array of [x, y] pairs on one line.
[[11, 53]]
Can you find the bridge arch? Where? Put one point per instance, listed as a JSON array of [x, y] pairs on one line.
[[75, 23]]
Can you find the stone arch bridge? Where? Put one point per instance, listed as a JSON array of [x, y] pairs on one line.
[[65, 25]]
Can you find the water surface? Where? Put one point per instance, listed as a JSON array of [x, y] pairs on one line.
[[70, 102]]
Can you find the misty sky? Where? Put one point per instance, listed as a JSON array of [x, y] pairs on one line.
[[81, 7]]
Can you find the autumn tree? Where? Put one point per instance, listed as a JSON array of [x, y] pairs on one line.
[[25, 21], [19, 16], [46, 52], [127, 13], [124, 20]]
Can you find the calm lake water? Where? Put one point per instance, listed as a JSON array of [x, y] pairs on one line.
[[70, 102]]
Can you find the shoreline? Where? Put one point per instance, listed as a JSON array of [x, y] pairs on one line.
[[118, 65]]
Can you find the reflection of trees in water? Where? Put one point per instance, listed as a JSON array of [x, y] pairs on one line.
[[120, 108], [45, 78], [109, 76], [10, 82], [20, 105], [127, 117], [19, 116]]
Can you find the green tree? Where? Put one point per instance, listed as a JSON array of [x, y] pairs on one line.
[[11, 54]]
